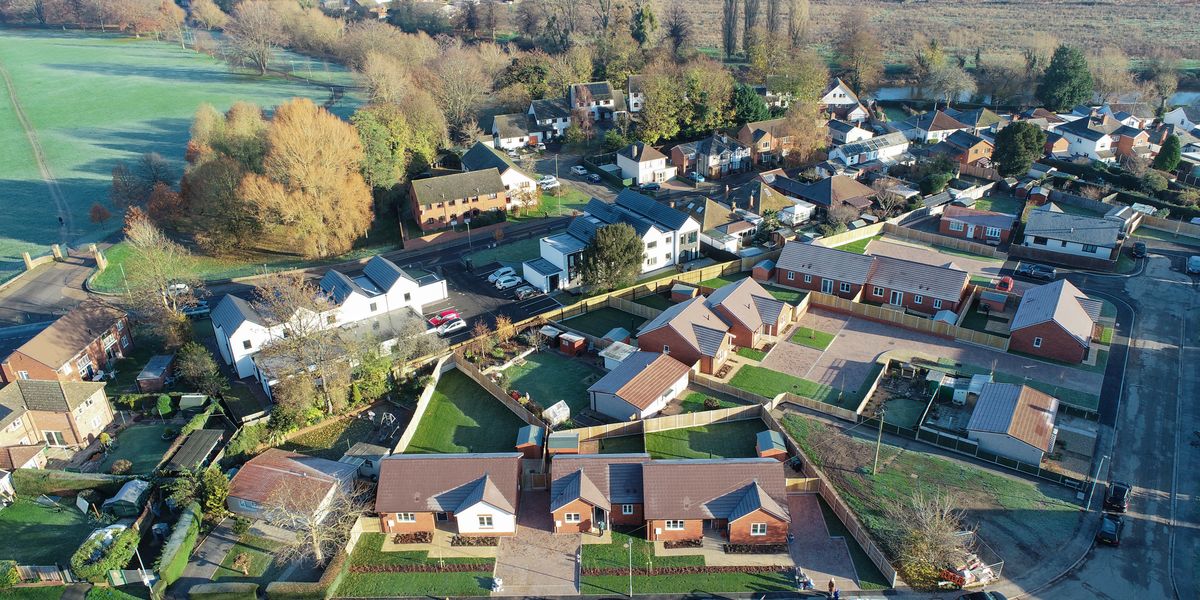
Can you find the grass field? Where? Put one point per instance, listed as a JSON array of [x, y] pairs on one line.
[[511, 254], [811, 338], [42, 536], [658, 301], [53, 592], [368, 553], [858, 246], [549, 377], [142, 445], [261, 568], [768, 383], [332, 440], [463, 417], [734, 439], [600, 322], [694, 402], [1001, 203], [94, 100], [789, 296]]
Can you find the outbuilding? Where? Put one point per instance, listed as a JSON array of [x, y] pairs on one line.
[[640, 387], [156, 373], [129, 500]]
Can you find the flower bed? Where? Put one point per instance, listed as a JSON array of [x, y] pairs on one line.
[[673, 544], [755, 548], [693, 570], [420, 537], [474, 540], [430, 567]]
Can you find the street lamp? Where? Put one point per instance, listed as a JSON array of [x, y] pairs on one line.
[[1088, 505], [467, 220], [629, 546]]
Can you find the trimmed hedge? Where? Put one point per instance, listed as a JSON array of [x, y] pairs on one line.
[[174, 557], [224, 591], [420, 568], [697, 570], [32, 483], [115, 556], [325, 588]]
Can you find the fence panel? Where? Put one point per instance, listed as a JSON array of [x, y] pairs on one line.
[[941, 240], [522, 413], [908, 321], [842, 239], [640, 310]]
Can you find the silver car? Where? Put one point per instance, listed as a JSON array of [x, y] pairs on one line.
[[1193, 265]]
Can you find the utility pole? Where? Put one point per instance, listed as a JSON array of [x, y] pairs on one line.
[[878, 440], [1088, 506]]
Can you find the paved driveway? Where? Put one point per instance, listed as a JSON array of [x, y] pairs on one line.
[[535, 562], [205, 560], [820, 556]]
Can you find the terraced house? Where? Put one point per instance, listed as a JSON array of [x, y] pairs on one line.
[[78, 346], [35, 414]]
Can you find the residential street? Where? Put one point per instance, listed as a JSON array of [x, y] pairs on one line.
[[49, 291]]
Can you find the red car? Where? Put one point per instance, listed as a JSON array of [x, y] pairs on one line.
[[444, 317]]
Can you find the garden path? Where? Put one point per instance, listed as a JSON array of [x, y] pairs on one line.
[[535, 561], [207, 557]]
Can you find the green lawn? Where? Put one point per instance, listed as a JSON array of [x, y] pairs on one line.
[[789, 296], [333, 439], [42, 536], [600, 321], [1003, 204], [859, 246], [768, 383], [694, 402], [368, 553], [126, 592], [1126, 263], [623, 444], [53, 592], [964, 254], [511, 254], [463, 417], [616, 556], [735, 439], [812, 338], [751, 353], [904, 412], [658, 301], [1106, 334], [569, 198], [549, 377], [142, 445], [262, 568], [94, 99]]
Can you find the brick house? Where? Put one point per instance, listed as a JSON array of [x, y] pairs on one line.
[[76, 347], [918, 287], [964, 148], [742, 500], [279, 477], [978, 225], [750, 311], [713, 157], [691, 333], [1056, 321], [820, 269], [55, 413], [444, 200], [591, 492], [768, 140], [470, 494]]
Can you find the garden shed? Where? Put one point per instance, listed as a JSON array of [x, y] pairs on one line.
[[129, 500], [616, 353], [196, 450], [156, 373], [530, 439], [572, 344]]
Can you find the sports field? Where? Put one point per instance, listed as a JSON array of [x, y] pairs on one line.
[[92, 100]]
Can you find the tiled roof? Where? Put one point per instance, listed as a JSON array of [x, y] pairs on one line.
[[838, 189], [71, 333], [577, 486], [747, 302], [1017, 410], [444, 482], [980, 218], [710, 489], [456, 186], [641, 152], [708, 212], [232, 311], [482, 156], [1091, 128], [978, 118], [279, 471], [837, 82], [641, 379], [754, 497], [933, 281], [617, 476], [695, 322], [511, 125], [964, 140], [49, 396], [936, 121], [825, 262], [550, 108], [1060, 302], [648, 208], [1047, 221], [758, 196], [15, 457]]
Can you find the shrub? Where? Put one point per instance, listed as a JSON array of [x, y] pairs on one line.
[[224, 591], [498, 352], [419, 537], [92, 561], [121, 467], [711, 403], [696, 543], [474, 540], [164, 405], [240, 526], [174, 557], [35, 482], [422, 568], [755, 548], [9, 575], [198, 420], [246, 441]]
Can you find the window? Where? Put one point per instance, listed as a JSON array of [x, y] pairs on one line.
[[674, 525], [1041, 241], [956, 226], [1037, 342], [937, 303], [845, 287], [571, 517], [918, 299], [22, 374], [666, 349], [120, 325], [651, 245], [1089, 248], [407, 296], [84, 363], [55, 438], [992, 232], [877, 291], [807, 278], [14, 425], [758, 529], [627, 509], [374, 306], [246, 344], [248, 504], [406, 517]]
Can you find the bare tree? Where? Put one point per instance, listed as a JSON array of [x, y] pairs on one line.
[[160, 277], [859, 52], [254, 32], [774, 14], [1111, 76], [677, 25], [750, 22], [320, 518], [798, 21], [461, 87], [889, 201], [929, 531], [729, 27]]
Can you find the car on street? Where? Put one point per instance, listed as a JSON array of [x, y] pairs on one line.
[[579, 170], [1139, 250], [1193, 265], [1110, 529], [508, 281], [1116, 498], [526, 292], [593, 178], [501, 272], [1037, 271], [697, 177], [444, 317], [198, 310], [548, 182], [983, 596], [649, 187], [451, 327]]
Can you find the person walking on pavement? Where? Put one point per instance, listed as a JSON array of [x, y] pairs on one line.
[[832, 586]]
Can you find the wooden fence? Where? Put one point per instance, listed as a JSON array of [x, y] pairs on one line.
[[981, 172], [771, 403], [901, 319], [696, 419], [496, 391], [423, 404], [640, 310], [926, 237], [842, 239], [1181, 228]]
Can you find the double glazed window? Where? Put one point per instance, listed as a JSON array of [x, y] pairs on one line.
[[485, 521], [406, 517], [571, 517], [758, 529], [674, 525]]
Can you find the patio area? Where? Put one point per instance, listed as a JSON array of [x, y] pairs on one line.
[[712, 549], [440, 546]]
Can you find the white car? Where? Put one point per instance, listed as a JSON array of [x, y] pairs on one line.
[[501, 272], [578, 170], [1193, 264], [456, 325], [508, 281], [548, 182]]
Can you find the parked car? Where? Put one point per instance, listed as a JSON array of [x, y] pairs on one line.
[[513, 154], [526, 292], [501, 272], [541, 147], [1110, 529], [579, 170], [593, 178], [1037, 271], [649, 187], [983, 596], [694, 176], [451, 327], [1139, 250], [1116, 498], [444, 317], [508, 282], [1005, 284], [197, 310], [1193, 264], [548, 182]]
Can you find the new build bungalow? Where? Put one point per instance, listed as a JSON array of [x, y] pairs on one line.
[[978, 225], [750, 311], [287, 480], [1051, 230], [1014, 421], [591, 492], [1055, 321], [470, 494], [691, 333], [821, 269], [640, 387]]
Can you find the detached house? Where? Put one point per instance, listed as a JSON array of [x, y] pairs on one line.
[[1055, 321], [842, 103], [78, 346], [277, 478], [758, 196], [643, 164], [768, 141], [1185, 117], [978, 225], [979, 120], [1014, 421], [886, 149], [750, 311], [640, 387], [469, 494], [482, 157], [720, 228], [551, 115], [713, 157], [637, 93], [835, 191], [843, 132], [691, 333], [965, 148], [34, 414], [932, 127], [1049, 229], [1093, 137], [517, 130], [598, 99], [445, 200]]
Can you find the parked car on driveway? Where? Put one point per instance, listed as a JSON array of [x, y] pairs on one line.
[[548, 182], [526, 292], [444, 317], [649, 187], [1110, 529], [508, 281], [1193, 265], [593, 178], [1139, 250], [694, 176], [1116, 498], [982, 596], [451, 327], [579, 170], [1037, 271], [501, 272]]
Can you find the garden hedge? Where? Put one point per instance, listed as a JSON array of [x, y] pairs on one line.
[[31, 483], [224, 591], [174, 557], [115, 556]]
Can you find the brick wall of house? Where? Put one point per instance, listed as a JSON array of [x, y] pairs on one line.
[[118, 332], [585, 518], [909, 301], [58, 421], [980, 233], [653, 341], [679, 160], [389, 524], [692, 529], [777, 529], [24, 432], [18, 362], [797, 281], [442, 212], [619, 518], [1056, 343], [742, 336]]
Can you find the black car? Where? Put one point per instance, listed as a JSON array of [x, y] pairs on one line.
[[649, 187], [1036, 271], [1139, 250], [1110, 530], [593, 178], [1116, 499], [982, 596]]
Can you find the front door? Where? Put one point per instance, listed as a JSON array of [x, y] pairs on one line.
[[826, 286], [897, 298], [441, 516], [552, 283], [599, 518], [970, 231]]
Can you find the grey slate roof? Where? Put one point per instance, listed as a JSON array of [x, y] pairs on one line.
[[1046, 221], [607, 214], [1091, 128], [456, 186], [1060, 302], [826, 262], [754, 497], [640, 152], [617, 476], [385, 273], [933, 281], [648, 208], [1016, 410], [511, 125], [482, 156], [232, 311], [550, 108], [339, 286]]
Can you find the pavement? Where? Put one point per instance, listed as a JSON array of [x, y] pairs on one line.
[[535, 561], [205, 560]]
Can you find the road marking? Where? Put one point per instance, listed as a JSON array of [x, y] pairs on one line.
[[1175, 461]]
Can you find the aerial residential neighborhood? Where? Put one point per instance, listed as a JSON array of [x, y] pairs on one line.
[[599, 298]]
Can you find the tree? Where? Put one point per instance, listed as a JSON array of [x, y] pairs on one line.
[[928, 57], [133, 184], [807, 126], [208, 15], [748, 106], [934, 183], [1067, 81], [750, 29], [888, 200], [1111, 76], [662, 111], [195, 364], [774, 17], [928, 532], [950, 81], [160, 277], [729, 27], [1153, 182], [677, 26], [254, 32], [1162, 75], [461, 87], [643, 25], [859, 53], [613, 258], [320, 518], [797, 22], [708, 91], [98, 214], [504, 329], [1017, 146], [1168, 155], [208, 486]]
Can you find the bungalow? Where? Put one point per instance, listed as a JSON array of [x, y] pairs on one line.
[[551, 115], [979, 120], [932, 127], [598, 99], [478, 493], [884, 148], [78, 346], [713, 157], [750, 311], [971, 224], [640, 387], [918, 287], [643, 164], [482, 157], [841, 132], [1055, 321], [517, 130], [821, 269], [965, 148], [289, 480], [691, 333], [836, 191], [743, 499], [445, 200], [57, 413], [589, 493], [768, 141], [758, 196], [1014, 421], [840, 102], [1048, 228]]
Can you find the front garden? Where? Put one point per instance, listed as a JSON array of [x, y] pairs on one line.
[[374, 573], [251, 559], [811, 338], [464, 417]]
